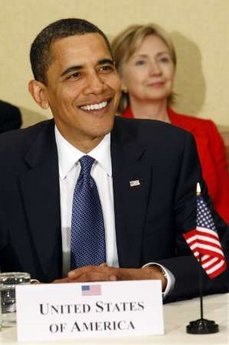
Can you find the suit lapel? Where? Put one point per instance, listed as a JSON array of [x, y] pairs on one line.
[[131, 176], [40, 194]]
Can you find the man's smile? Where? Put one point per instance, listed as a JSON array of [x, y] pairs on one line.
[[95, 106]]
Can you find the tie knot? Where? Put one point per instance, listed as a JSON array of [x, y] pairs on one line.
[[86, 164]]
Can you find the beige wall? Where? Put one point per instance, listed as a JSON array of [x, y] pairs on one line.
[[199, 28]]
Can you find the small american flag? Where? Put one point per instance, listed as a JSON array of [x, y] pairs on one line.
[[204, 241], [91, 290]]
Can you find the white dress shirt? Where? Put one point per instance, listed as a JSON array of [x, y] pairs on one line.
[[101, 171]]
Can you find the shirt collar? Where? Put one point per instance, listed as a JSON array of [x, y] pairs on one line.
[[68, 155]]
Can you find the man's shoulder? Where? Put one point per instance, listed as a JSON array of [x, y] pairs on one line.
[[146, 129]]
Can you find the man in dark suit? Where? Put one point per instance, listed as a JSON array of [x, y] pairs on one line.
[[10, 117], [146, 173]]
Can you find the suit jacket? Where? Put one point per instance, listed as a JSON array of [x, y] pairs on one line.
[[211, 150], [10, 117], [150, 218]]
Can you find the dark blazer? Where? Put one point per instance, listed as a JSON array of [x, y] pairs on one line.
[[211, 151], [150, 217], [10, 117]]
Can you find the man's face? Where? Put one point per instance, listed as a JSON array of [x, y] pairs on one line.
[[83, 89]]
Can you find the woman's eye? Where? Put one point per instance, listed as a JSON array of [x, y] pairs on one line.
[[165, 59], [140, 62]]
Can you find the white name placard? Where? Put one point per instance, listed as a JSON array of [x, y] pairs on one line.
[[100, 309]]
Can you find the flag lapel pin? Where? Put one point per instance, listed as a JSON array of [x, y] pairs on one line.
[[134, 183]]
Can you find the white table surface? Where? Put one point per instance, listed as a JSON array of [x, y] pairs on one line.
[[176, 316]]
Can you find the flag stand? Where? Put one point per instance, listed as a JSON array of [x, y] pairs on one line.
[[205, 244], [201, 326]]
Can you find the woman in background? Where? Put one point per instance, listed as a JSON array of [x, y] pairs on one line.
[[146, 61]]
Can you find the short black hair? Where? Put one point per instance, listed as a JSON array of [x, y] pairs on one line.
[[40, 57]]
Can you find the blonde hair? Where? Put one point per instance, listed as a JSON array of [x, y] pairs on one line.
[[128, 41]]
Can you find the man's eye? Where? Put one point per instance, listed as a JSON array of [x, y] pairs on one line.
[[75, 75], [106, 68]]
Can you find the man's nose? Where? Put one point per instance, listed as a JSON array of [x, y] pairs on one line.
[[95, 84]]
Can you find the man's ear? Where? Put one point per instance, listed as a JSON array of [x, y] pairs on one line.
[[39, 93]]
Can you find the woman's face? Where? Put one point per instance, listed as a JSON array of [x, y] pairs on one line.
[[148, 75]]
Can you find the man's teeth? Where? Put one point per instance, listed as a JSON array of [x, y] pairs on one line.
[[94, 106]]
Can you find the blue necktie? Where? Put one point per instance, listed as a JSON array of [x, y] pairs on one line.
[[87, 231]]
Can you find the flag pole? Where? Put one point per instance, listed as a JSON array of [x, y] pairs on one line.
[[198, 193], [201, 325], [201, 291]]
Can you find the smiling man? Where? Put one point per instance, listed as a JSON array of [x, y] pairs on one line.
[[144, 186], [81, 88]]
